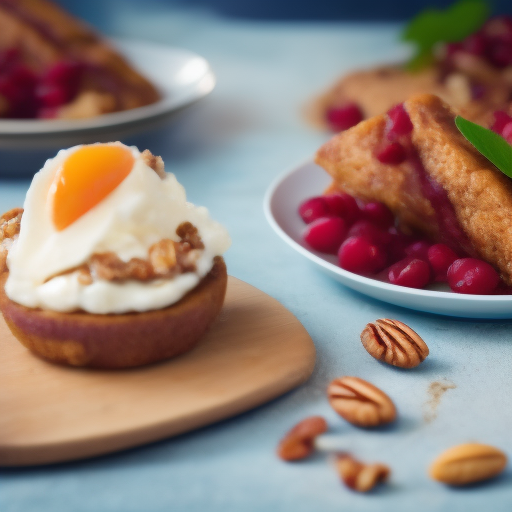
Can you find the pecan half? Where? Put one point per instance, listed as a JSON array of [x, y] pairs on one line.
[[359, 476], [360, 402], [394, 342], [468, 463], [298, 443]]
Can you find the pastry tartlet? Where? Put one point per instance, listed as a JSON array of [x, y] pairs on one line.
[[108, 266], [53, 66], [473, 76], [416, 162]]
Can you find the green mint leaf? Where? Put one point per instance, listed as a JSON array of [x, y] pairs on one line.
[[433, 26], [491, 145]]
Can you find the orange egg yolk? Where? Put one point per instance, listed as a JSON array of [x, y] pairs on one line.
[[88, 175]]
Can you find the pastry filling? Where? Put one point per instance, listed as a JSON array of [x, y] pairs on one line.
[[399, 130]]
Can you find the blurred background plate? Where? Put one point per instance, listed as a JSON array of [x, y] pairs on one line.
[[181, 76], [306, 180]]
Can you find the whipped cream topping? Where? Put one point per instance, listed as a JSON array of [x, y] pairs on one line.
[[142, 210]]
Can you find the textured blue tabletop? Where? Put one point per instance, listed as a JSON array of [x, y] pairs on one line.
[[226, 150]]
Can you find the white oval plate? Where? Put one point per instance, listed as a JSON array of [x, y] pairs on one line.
[[281, 202], [181, 76]]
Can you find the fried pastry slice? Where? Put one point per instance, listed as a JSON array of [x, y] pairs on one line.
[[444, 188]]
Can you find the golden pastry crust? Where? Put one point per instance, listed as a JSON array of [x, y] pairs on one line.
[[481, 196], [118, 341]]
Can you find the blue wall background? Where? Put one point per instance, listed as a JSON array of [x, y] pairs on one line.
[[374, 10]]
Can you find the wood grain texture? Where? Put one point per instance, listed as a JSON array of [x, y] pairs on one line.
[[256, 351]]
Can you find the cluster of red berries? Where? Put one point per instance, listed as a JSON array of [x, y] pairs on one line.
[[27, 94], [492, 43], [503, 125], [366, 242]]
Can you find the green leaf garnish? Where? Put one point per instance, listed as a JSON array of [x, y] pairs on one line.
[[491, 145], [433, 26]]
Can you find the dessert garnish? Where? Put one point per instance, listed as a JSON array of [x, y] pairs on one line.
[[107, 252], [489, 143], [433, 26]]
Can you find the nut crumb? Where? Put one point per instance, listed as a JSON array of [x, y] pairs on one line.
[[166, 259], [155, 162], [358, 476], [435, 391]]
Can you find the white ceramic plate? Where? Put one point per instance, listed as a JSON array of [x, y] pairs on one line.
[[181, 76], [281, 202]]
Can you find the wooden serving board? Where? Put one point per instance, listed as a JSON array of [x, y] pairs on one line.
[[256, 351]]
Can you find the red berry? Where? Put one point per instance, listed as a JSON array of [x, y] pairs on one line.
[[313, 208], [52, 96], [507, 132], [378, 214], [392, 154], [410, 272], [369, 231], [500, 120], [47, 113], [478, 91], [440, 257], [470, 275], [452, 48], [343, 205], [326, 234], [475, 44], [66, 75], [397, 245], [360, 256], [8, 58], [500, 54], [399, 122], [418, 250], [343, 118], [18, 88]]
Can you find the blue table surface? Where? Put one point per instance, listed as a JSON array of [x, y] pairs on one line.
[[226, 150]]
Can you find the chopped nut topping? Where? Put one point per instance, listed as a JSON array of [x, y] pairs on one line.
[[9, 230], [188, 233], [110, 267], [166, 259], [359, 476], [162, 256], [84, 275], [10, 223], [155, 162]]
